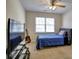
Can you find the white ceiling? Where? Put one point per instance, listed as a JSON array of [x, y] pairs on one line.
[[41, 6]]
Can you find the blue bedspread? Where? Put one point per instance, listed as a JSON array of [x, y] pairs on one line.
[[49, 40]]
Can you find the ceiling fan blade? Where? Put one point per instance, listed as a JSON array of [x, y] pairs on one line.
[[48, 1], [53, 2], [61, 6]]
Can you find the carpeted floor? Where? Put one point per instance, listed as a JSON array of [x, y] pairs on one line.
[[60, 52]]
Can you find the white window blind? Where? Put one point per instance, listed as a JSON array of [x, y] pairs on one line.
[[49, 24], [45, 24], [40, 24]]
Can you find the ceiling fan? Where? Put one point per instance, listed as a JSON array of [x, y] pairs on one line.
[[53, 4]]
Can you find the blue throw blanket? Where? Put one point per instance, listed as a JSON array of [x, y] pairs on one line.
[[49, 40]]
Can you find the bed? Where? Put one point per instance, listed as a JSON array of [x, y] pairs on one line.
[[49, 40], [59, 39]]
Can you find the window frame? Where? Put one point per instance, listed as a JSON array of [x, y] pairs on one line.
[[45, 25]]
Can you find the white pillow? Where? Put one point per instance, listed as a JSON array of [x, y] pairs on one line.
[[61, 32]]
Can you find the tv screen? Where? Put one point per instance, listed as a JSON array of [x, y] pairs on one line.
[[15, 30]]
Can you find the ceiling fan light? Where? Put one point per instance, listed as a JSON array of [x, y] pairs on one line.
[[54, 7], [50, 7]]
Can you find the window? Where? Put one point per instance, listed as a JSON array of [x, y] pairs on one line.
[[44, 24]]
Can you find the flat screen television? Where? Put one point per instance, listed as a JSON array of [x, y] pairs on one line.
[[15, 30]]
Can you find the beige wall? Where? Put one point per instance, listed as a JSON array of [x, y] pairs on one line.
[[30, 21], [67, 19], [15, 10]]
